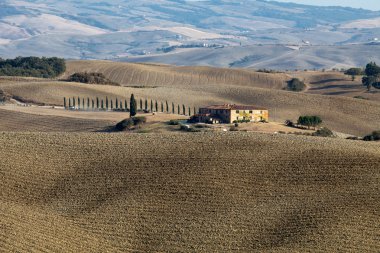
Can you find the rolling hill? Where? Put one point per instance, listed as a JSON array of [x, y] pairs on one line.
[[200, 86], [214, 33], [187, 192]]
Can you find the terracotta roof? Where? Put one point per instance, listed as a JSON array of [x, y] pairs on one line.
[[233, 107]]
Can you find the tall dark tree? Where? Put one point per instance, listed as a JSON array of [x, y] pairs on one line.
[[141, 104], [88, 103], [189, 111], [74, 102], [64, 103], [102, 104], [69, 103], [167, 107], [83, 104], [111, 104], [151, 105], [146, 105], [179, 110], [133, 106], [121, 105], [162, 107], [93, 104], [156, 105], [79, 103], [117, 104], [125, 105], [107, 105], [183, 109], [97, 103]]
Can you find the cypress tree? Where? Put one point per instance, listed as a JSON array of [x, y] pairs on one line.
[[74, 102], [183, 110], [125, 105], [78, 103], [146, 105], [156, 106], [117, 104], [93, 104], [83, 104], [189, 111], [102, 104], [179, 110], [88, 103], [69, 103], [111, 104], [107, 103], [167, 107], [64, 103], [162, 107], [141, 104], [173, 110], [97, 103], [121, 105], [133, 106]]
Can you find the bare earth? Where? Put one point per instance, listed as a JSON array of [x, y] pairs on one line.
[[240, 192]]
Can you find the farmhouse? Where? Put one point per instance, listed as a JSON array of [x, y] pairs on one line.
[[228, 114]]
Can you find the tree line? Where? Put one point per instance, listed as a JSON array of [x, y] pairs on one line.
[[33, 67], [371, 75], [132, 105]]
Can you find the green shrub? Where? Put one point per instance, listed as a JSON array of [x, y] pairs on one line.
[[91, 78], [324, 132], [296, 85], [173, 122], [131, 123], [375, 136]]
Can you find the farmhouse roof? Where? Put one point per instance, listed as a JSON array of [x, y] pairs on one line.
[[234, 107]]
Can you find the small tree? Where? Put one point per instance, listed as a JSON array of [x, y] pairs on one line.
[[74, 102], [183, 110], [107, 103], [93, 104], [117, 104], [102, 104], [146, 104], [78, 103], [296, 85], [64, 103], [151, 105], [156, 105], [372, 77], [309, 121], [189, 111], [88, 103], [167, 107], [141, 104], [83, 104], [353, 72], [97, 103], [125, 105], [179, 110], [173, 110], [162, 107], [133, 106]]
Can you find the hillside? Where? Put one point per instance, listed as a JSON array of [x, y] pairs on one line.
[[214, 33], [200, 86], [187, 193]]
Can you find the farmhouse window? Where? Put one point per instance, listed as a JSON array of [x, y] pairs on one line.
[[250, 112], [237, 111]]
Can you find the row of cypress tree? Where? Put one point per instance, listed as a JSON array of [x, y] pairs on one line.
[[127, 106]]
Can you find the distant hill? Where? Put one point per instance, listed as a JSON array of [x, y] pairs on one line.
[[103, 30]]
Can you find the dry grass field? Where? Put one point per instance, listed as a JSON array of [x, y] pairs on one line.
[[330, 94], [240, 192], [13, 121]]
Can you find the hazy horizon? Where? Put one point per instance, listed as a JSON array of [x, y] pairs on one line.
[[369, 4]]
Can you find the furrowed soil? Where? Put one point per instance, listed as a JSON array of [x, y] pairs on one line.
[[241, 192]]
